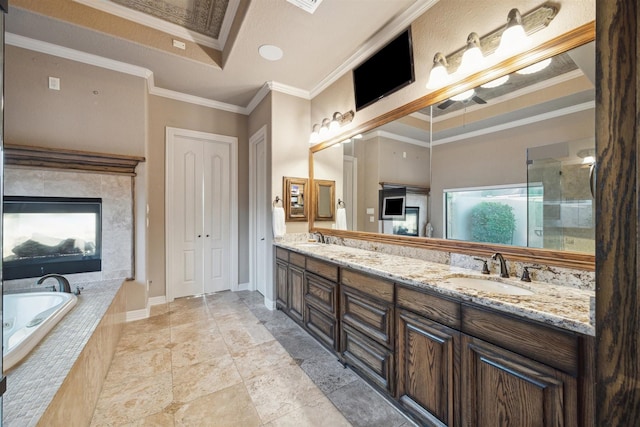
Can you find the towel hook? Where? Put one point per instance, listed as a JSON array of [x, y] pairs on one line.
[[341, 204], [276, 201]]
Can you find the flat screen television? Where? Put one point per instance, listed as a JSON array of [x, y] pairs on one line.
[[386, 71], [393, 207]]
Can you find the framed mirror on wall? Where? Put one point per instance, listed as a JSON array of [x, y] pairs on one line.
[[295, 192], [325, 200], [529, 138]]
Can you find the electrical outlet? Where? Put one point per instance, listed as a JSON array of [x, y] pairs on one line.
[[54, 83]]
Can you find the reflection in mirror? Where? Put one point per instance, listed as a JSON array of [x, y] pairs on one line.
[[487, 145], [325, 193], [295, 201]]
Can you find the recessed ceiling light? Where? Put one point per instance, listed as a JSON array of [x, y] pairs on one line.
[[270, 52]]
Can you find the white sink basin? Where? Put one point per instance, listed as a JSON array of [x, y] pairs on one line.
[[307, 244], [488, 285]]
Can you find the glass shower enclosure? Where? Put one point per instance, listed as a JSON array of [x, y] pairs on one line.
[[560, 199]]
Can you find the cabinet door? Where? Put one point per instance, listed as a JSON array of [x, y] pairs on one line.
[[322, 326], [428, 359], [282, 292], [296, 294], [321, 293], [501, 388], [373, 361]]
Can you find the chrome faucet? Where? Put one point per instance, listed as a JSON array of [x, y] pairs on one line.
[[504, 272], [63, 283]]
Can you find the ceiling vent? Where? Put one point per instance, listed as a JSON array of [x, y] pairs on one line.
[[306, 5]]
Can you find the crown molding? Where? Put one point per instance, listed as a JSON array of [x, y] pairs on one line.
[[394, 27], [517, 123], [395, 137], [122, 67]]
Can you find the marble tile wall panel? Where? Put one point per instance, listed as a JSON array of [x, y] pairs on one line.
[[117, 216]]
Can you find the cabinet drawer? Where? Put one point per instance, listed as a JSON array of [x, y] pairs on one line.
[[430, 306], [321, 293], [370, 285], [296, 259], [372, 360], [322, 268], [282, 254], [371, 317], [545, 344], [322, 326]]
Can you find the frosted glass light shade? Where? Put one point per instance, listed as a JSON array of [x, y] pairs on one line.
[[512, 41], [472, 61], [438, 77], [464, 95]]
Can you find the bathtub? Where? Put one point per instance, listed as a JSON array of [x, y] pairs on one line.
[[27, 318]]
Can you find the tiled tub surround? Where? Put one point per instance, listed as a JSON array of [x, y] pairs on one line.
[[59, 381], [553, 304], [117, 217]]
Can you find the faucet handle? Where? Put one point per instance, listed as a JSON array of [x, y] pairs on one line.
[[525, 273], [78, 289], [485, 267]]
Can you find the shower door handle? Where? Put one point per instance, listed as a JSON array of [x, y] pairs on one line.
[[592, 179]]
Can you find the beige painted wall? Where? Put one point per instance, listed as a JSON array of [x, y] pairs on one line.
[[163, 113], [111, 121], [289, 145]]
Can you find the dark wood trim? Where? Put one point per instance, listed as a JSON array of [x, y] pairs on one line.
[[576, 260], [617, 275], [56, 158]]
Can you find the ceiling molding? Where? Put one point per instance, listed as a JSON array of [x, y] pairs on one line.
[[197, 100], [517, 123], [168, 27], [383, 36], [76, 55], [395, 137]]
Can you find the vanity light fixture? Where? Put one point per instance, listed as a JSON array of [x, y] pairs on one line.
[[467, 94], [513, 38], [538, 66], [472, 58], [315, 134], [502, 42], [495, 83], [439, 76], [329, 127]]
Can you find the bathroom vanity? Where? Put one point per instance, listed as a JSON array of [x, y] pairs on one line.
[[445, 352]]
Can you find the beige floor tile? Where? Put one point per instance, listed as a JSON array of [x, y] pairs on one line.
[[138, 364], [200, 379], [187, 303], [240, 338], [207, 328], [320, 413], [230, 407], [160, 419], [190, 315], [262, 359], [139, 342], [196, 351], [281, 391], [132, 400], [158, 309], [153, 323]]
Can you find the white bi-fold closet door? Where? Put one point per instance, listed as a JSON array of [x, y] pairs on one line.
[[199, 192]]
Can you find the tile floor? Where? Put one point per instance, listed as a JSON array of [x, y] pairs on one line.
[[225, 360]]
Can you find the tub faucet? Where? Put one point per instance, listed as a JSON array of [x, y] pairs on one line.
[[504, 272], [63, 283]]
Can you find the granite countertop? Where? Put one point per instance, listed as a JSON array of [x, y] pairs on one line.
[[561, 306]]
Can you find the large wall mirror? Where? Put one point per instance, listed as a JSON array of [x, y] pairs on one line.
[[494, 164]]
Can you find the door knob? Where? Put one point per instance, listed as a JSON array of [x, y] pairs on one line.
[[199, 235], [262, 238]]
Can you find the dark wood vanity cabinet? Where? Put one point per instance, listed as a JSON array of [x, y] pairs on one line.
[[444, 361], [290, 283], [367, 332]]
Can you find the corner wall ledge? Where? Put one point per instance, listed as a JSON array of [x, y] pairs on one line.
[[57, 158]]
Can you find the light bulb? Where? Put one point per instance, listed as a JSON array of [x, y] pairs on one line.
[[472, 58], [538, 66], [439, 76], [464, 95], [495, 83], [514, 39]]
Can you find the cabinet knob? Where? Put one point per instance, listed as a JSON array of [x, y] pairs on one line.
[[199, 235]]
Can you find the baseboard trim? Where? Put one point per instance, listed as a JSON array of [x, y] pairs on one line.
[[243, 286], [140, 314], [162, 299], [270, 304]]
